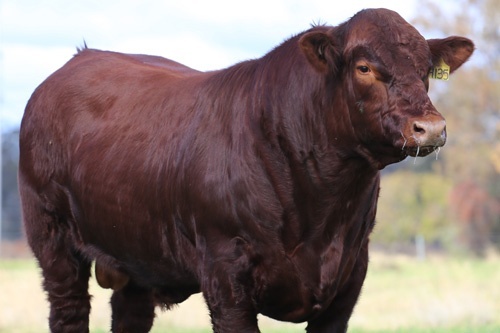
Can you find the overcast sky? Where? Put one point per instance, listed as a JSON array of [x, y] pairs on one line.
[[39, 36]]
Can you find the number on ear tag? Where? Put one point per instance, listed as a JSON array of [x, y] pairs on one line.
[[440, 71]]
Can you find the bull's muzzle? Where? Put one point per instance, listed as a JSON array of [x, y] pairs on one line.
[[425, 135]]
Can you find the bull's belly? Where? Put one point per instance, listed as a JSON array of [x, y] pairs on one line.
[[145, 263], [288, 287], [283, 292], [170, 283]]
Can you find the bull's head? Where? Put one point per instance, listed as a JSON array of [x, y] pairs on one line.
[[383, 64]]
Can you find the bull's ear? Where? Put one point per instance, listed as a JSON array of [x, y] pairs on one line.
[[453, 50], [319, 50]]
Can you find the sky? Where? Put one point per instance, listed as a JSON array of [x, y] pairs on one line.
[[38, 36]]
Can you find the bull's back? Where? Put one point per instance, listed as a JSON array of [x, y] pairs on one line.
[[101, 97]]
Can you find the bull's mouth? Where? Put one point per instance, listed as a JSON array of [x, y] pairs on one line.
[[420, 145], [422, 136], [421, 151]]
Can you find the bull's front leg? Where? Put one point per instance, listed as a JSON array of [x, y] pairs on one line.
[[335, 319], [227, 286]]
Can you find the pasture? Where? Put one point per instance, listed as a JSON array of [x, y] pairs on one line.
[[401, 294]]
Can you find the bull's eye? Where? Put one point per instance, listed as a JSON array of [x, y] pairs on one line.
[[364, 69]]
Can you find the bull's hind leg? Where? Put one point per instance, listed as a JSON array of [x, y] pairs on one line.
[[133, 309], [66, 282], [65, 271]]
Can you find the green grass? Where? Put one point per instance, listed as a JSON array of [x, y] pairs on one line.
[[443, 329], [441, 294], [15, 266], [438, 295]]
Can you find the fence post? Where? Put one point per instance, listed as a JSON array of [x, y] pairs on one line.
[[420, 247]]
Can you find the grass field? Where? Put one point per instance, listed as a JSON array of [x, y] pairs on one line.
[[400, 294]]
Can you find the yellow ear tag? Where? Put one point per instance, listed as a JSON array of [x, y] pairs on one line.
[[440, 72]]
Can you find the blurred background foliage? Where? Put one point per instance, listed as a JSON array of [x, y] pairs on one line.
[[451, 200]]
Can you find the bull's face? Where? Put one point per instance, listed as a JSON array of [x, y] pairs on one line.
[[383, 64]]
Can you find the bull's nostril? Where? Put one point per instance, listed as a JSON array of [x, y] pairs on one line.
[[418, 128]]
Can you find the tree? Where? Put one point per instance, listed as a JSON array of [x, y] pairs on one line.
[[11, 212], [413, 204], [476, 211]]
